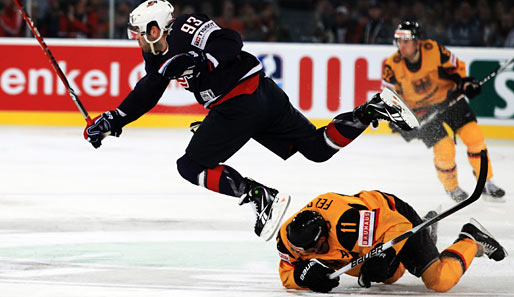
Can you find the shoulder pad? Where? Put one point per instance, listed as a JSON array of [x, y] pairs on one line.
[[428, 45], [397, 58]]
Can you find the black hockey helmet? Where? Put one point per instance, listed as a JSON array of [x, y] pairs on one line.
[[408, 30], [305, 229]]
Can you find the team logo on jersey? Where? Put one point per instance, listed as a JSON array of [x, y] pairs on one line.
[[284, 257], [366, 227], [182, 81], [272, 67], [202, 34], [422, 85]]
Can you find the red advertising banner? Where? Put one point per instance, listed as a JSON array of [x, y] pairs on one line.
[[101, 76]]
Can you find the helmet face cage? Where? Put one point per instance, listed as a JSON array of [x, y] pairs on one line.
[[148, 13], [305, 230], [407, 30]]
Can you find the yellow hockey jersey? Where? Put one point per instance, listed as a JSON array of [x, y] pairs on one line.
[[357, 224], [428, 85]]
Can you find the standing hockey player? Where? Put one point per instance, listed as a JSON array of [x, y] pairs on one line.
[[242, 104], [334, 229], [427, 75]]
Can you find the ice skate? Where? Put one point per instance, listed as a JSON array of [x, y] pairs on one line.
[[487, 244], [493, 193], [457, 195], [388, 106], [269, 206], [432, 229]]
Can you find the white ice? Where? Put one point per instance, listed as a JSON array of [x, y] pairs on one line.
[[120, 221]]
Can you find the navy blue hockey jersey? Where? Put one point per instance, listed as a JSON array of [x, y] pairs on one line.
[[230, 72]]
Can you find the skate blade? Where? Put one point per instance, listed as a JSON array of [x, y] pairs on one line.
[[484, 230], [490, 198], [278, 211], [391, 98]]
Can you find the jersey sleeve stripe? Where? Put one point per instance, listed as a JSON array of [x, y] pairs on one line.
[[213, 60]]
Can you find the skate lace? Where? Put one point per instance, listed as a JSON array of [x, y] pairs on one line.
[[488, 248]]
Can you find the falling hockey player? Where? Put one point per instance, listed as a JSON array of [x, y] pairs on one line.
[[427, 75], [334, 229], [242, 104]]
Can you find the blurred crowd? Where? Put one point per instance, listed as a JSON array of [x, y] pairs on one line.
[[451, 22]]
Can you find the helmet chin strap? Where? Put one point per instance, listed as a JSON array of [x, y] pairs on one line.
[[151, 43]]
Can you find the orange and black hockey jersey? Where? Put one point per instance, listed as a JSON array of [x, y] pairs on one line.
[[427, 85], [357, 224]]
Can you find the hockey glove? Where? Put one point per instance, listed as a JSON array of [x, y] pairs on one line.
[[108, 123], [470, 87], [314, 276], [379, 268], [177, 65]]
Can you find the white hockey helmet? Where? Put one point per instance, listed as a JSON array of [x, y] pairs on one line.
[[148, 13]]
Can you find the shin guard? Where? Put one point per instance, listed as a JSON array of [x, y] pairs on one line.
[[343, 129], [444, 161], [473, 138], [446, 272]]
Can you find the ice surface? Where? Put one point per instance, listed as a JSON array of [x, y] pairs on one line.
[[120, 221]]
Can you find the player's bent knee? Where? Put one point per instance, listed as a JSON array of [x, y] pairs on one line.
[[472, 136], [189, 169], [441, 276], [317, 150], [439, 285]]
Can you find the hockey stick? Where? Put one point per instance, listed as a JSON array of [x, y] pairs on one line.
[[378, 249], [52, 60], [454, 101]]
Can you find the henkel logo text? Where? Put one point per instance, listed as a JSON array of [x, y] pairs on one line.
[[94, 82]]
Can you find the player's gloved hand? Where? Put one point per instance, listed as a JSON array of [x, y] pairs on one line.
[[378, 268], [470, 87], [108, 123], [178, 64], [313, 275]]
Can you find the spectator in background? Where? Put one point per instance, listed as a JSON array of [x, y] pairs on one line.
[[345, 28], [323, 21], [206, 8], [505, 27], [272, 28], [48, 23], [228, 18], [11, 21], [121, 16], [489, 27], [465, 30], [509, 41], [435, 27], [252, 24], [378, 30], [419, 12], [78, 21]]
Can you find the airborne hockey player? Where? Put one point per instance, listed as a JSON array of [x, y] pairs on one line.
[[427, 75], [334, 229], [243, 104]]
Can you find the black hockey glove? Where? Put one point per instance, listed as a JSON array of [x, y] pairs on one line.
[[178, 64], [469, 87], [108, 123], [379, 268], [314, 276]]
